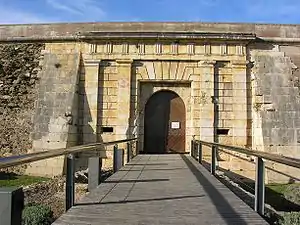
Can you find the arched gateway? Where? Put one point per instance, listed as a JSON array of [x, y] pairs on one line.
[[164, 123]]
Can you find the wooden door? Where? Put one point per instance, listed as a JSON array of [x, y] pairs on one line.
[[164, 124], [176, 134]]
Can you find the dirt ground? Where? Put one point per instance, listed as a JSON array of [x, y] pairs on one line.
[[57, 201]]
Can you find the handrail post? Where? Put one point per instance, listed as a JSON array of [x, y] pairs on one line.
[[70, 190], [129, 146], [115, 159], [192, 143], [260, 186], [94, 178], [213, 160], [192, 147], [136, 148], [200, 152]]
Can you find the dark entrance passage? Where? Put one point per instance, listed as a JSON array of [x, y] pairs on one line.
[[164, 124]]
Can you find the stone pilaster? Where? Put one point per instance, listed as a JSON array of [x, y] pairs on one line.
[[205, 119], [124, 87], [90, 104], [205, 103], [240, 99]]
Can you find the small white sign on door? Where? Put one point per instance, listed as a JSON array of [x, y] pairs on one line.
[[175, 125]]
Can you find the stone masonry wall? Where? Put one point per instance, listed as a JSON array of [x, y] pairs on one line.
[[56, 110], [276, 108], [19, 68]]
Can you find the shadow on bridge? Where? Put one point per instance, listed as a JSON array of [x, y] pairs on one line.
[[135, 181], [143, 200], [225, 209]]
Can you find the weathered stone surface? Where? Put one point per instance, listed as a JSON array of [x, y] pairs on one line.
[[56, 115], [276, 77], [19, 67]]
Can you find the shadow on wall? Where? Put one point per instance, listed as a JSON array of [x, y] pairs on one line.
[[85, 134], [145, 91], [133, 114], [249, 104]]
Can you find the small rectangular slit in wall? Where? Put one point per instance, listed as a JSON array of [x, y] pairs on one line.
[[222, 131], [107, 129]]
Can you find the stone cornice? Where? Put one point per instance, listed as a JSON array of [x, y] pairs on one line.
[[207, 63], [125, 62], [71, 31], [92, 62], [167, 35], [240, 63]]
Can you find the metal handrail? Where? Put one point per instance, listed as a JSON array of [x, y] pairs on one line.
[[260, 165], [33, 157], [265, 155], [94, 164]]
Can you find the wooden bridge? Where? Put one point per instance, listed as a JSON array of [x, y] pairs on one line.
[[150, 189], [161, 189]]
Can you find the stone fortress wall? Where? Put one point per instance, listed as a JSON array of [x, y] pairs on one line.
[[99, 75]]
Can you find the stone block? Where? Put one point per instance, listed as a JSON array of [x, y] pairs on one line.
[[206, 122], [226, 115], [110, 113], [226, 100], [110, 84], [226, 85], [239, 123], [239, 132], [240, 85], [228, 107], [225, 78], [110, 99], [227, 93], [240, 93], [109, 121], [206, 131], [226, 140], [240, 141], [196, 114], [239, 77]]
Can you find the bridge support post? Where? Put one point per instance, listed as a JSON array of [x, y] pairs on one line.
[[200, 153], [70, 191], [192, 148], [129, 149], [260, 186], [94, 179], [136, 147], [118, 158], [11, 205], [213, 160]]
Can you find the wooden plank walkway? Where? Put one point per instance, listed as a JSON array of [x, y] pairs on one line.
[[161, 189]]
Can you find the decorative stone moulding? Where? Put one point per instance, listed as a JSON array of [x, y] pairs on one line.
[[239, 50], [223, 49], [109, 48], [125, 48], [93, 48], [207, 49], [207, 63], [141, 48], [191, 48], [158, 48], [174, 48]]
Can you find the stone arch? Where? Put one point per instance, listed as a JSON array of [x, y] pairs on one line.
[[164, 123], [147, 89]]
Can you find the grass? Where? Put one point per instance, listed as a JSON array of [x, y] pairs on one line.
[[282, 188], [283, 197], [14, 180]]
